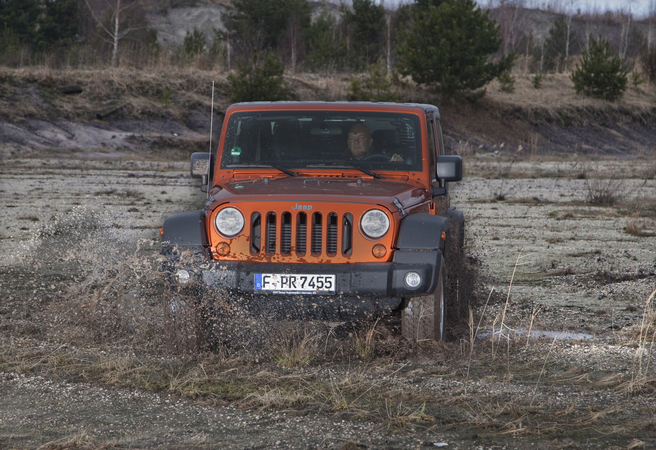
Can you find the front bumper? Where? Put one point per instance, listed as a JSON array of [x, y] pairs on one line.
[[357, 280]]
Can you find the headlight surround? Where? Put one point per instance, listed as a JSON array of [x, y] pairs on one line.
[[374, 223], [229, 221]]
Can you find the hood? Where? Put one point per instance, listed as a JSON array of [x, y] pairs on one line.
[[338, 190]]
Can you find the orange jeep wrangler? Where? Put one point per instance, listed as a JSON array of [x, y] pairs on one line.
[[327, 210]]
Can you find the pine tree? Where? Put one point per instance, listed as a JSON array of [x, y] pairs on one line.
[[326, 44], [264, 82], [557, 47], [194, 43], [264, 24], [58, 25], [449, 48], [20, 18], [366, 23], [602, 74]]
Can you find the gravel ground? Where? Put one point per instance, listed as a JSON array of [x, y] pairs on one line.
[[569, 266]]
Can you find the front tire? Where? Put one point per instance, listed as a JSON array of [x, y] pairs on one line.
[[455, 302], [424, 317]]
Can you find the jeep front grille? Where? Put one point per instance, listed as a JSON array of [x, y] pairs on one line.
[[287, 232]]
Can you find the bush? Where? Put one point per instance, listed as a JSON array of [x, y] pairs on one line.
[[636, 78], [602, 74], [376, 87], [194, 43], [537, 80], [506, 82], [252, 83]]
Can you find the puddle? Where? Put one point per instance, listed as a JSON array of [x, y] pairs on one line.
[[557, 335]]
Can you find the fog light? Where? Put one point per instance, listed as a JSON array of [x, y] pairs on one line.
[[412, 280], [379, 251], [183, 276], [223, 249]]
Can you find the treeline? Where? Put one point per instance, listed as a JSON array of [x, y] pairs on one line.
[[452, 46]]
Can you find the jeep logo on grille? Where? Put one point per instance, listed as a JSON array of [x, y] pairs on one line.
[[302, 207]]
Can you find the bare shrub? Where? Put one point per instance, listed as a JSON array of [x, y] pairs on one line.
[[603, 192]]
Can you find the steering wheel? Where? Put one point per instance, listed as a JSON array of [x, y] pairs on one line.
[[377, 157]]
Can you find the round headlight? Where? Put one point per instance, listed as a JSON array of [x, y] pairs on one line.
[[374, 223], [229, 222]]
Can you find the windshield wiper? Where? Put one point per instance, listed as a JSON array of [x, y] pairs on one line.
[[266, 164], [352, 166], [367, 171], [282, 169]]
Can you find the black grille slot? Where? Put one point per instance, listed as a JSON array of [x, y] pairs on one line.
[[301, 233], [271, 233], [256, 232], [347, 233], [286, 233], [323, 236], [331, 238], [316, 233]]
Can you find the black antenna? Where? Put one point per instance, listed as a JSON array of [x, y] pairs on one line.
[[209, 157]]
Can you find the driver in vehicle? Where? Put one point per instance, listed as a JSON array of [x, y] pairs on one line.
[[360, 143]]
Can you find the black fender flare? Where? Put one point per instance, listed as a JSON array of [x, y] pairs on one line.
[[185, 231], [457, 223], [422, 232]]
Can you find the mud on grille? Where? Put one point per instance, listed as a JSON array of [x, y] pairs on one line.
[[301, 233]]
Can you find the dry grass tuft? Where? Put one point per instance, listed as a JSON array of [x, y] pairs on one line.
[[81, 441], [295, 348], [637, 226], [641, 379], [364, 341], [400, 417]]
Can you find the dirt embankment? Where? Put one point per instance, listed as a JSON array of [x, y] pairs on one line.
[[168, 112]]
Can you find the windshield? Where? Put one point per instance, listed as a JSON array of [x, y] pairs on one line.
[[323, 139]]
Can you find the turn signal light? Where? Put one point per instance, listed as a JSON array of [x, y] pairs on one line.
[[223, 249], [379, 251], [444, 236]]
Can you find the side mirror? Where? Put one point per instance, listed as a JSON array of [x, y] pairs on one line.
[[201, 167], [449, 168]]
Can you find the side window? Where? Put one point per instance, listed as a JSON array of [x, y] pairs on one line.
[[440, 138], [433, 151]]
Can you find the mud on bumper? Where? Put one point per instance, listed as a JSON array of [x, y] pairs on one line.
[[375, 287]]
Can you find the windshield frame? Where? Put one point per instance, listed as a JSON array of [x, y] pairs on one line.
[[326, 126]]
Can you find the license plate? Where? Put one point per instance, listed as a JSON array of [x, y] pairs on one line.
[[286, 283]]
